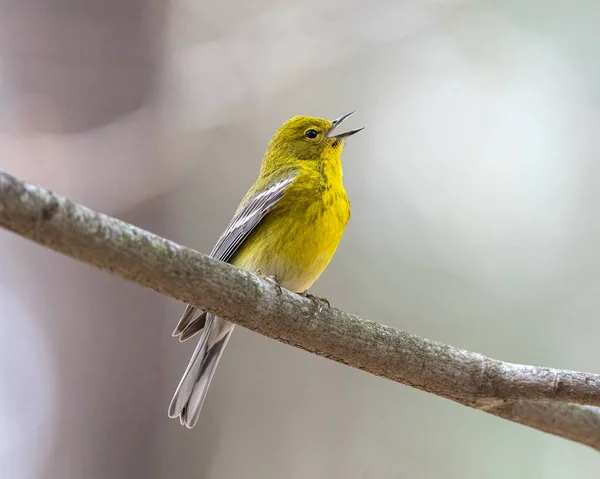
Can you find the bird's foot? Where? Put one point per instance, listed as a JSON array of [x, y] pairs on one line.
[[271, 279], [320, 302]]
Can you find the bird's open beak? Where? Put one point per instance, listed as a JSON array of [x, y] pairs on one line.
[[337, 122]]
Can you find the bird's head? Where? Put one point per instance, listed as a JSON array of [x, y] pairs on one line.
[[306, 138]]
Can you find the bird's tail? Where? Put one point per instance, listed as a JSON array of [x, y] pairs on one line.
[[191, 392], [188, 326]]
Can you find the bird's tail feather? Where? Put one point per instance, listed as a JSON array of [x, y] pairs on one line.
[[188, 326], [191, 392]]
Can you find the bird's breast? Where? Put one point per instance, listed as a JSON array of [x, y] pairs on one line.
[[297, 240]]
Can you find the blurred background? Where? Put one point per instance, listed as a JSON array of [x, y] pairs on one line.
[[475, 222]]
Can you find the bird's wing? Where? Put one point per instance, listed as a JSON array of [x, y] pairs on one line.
[[248, 215]]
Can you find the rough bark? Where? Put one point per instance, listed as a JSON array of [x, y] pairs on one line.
[[556, 401]]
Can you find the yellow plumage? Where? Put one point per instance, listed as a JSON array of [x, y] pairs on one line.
[[288, 227], [296, 241]]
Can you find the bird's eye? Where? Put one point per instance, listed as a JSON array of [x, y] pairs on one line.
[[311, 134]]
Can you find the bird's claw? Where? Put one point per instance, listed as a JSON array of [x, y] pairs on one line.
[[320, 302], [271, 279]]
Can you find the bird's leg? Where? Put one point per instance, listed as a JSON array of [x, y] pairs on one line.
[[321, 302], [271, 279]]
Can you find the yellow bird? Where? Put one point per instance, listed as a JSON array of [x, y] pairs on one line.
[[287, 228]]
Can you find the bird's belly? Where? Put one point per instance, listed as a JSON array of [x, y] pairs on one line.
[[297, 252]]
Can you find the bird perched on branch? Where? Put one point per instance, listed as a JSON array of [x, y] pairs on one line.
[[287, 228]]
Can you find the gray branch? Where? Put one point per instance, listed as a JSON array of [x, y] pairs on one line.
[[560, 402]]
